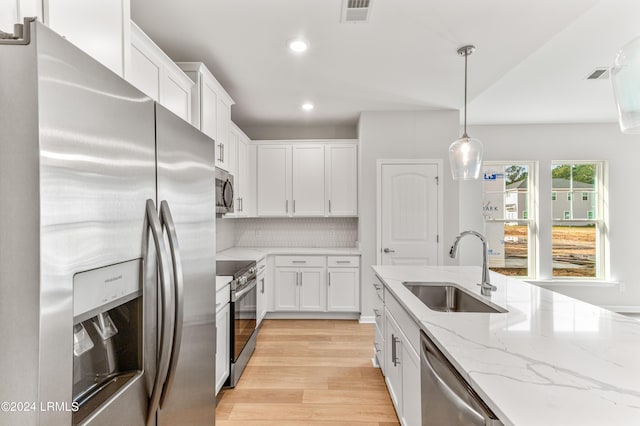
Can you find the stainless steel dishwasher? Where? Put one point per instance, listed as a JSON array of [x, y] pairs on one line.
[[447, 399]]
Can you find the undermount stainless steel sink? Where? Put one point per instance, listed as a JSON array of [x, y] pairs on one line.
[[448, 297]]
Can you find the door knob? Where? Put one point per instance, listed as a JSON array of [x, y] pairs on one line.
[[387, 250]]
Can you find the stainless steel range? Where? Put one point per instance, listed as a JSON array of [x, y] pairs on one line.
[[243, 313]]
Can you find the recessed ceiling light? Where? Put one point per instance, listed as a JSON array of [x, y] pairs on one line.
[[298, 45], [307, 106]]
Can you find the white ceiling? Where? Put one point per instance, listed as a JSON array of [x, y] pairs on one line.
[[529, 66]]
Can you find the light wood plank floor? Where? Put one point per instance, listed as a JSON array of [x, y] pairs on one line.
[[309, 372]]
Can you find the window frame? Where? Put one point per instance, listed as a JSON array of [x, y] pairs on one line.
[[532, 214], [601, 224]]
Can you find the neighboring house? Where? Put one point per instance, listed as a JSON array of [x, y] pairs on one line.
[[568, 202]]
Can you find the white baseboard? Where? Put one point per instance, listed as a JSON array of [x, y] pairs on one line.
[[313, 315], [366, 319]]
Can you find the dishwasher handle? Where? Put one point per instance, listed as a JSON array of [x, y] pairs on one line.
[[453, 390]]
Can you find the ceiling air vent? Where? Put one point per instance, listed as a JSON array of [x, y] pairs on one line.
[[356, 10], [599, 74]]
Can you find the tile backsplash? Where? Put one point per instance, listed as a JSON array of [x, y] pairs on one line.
[[225, 233], [294, 232]]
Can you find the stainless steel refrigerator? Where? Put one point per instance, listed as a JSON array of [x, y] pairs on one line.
[[107, 246]]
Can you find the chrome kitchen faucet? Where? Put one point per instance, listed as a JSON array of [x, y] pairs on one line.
[[485, 286]]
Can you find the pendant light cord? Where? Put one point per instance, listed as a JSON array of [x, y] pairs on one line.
[[466, 55]]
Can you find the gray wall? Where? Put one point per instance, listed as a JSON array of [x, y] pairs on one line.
[[401, 135]]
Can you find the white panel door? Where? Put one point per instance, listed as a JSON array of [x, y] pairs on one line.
[[313, 290], [341, 177], [286, 293], [343, 290], [308, 180], [274, 180], [409, 214], [222, 346]]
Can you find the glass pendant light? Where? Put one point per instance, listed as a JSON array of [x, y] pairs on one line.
[[465, 154], [625, 76]]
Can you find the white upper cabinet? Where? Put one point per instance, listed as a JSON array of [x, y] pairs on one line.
[[322, 179], [246, 177], [211, 111], [341, 176], [274, 180], [155, 74], [98, 27], [308, 180]]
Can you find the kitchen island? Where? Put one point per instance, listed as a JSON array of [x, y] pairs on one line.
[[549, 360]]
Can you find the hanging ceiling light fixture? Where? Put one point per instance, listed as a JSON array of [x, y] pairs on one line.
[[465, 154], [625, 76]]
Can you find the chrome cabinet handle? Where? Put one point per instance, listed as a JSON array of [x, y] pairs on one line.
[[294, 206], [242, 204], [262, 287], [286, 206], [377, 286], [166, 220], [220, 153], [153, 222], [388, 250], [329, 206], [394, 350], [329, 276], [377, 313], [298, 261], [343, 261], [375, 345]]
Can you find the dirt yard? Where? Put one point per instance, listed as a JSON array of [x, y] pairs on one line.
[[573, 251]]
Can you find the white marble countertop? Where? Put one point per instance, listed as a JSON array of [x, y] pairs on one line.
[[258, 253], [222, 282], [551, 360]]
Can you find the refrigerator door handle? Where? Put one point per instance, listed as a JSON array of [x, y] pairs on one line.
[[167, 223], [153, 222]]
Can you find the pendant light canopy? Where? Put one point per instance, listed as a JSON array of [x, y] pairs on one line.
[[625, 76], [465, 154]]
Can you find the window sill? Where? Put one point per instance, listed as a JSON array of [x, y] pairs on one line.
[[577, 283]]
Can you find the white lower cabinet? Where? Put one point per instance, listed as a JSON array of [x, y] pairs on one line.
[[402, 369], [343, 289], [300, 289], [223, 322]]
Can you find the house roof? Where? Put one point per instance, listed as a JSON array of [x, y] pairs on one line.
[[556, 184]]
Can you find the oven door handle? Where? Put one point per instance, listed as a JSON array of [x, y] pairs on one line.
[[238, 295]]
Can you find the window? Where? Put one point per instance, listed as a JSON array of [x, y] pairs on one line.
[[554, 196], [507, 200], [577, 235]]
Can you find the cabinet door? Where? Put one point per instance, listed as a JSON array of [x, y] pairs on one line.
[[99, 27], [231, 154], [261, 298], [286, 291], [393, 367], [146, 67], [243, 175], [175, 90], [274, 180], [341, 176], [308, 180], [343, 285], [411, 396], [313, 290], [222, 346], [223, 112], [208, 109]]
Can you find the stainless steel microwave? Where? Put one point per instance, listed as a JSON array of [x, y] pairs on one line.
[[224, 192]]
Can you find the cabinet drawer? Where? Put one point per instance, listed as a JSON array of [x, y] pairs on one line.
[[223, 296], [343, 261], [405, 322], [377, 285], [300, 261], [378, 347], [262, 265]]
